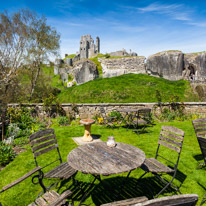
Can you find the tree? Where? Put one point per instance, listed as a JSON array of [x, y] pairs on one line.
[[25, 41]]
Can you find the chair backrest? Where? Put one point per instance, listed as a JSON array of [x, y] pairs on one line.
[[43, 142], [172, 138], [103, 113], [145, 114], [200, 131], [200, 127], [178, 200]]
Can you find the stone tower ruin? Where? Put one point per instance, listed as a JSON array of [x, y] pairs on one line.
[[87, 47]]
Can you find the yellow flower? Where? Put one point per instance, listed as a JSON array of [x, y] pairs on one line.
[[100, 120]]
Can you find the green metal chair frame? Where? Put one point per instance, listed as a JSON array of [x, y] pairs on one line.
[[43, 142], [200, 131], [170, 138]]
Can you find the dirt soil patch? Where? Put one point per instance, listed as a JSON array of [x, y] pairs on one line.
[[18, 150]]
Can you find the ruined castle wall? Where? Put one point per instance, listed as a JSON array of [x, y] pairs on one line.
[[118, 66], [196, 62], [84, 71], [169, 65]]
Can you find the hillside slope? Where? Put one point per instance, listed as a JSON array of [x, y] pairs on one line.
[[129, 88]]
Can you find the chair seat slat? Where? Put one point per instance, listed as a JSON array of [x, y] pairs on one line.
[[45, 150], [33, 204], [155, 166], [68, 171], [169, 146], [61, 199], [41, 202], [51, 196]]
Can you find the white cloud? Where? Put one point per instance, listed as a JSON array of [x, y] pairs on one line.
[[174, 11], [198, 24], [155, 7]]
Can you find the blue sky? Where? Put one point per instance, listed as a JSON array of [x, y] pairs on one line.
[[144, 26]]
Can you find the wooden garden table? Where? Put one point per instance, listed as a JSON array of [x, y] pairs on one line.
[[99, 159]]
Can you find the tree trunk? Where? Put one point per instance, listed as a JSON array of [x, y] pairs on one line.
[[35, 82]]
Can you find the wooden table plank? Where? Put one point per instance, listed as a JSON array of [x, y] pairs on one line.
[[99, 159]]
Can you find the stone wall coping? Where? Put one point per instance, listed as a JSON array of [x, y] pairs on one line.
[[108, 104]]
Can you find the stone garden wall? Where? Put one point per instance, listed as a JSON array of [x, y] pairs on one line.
[[92, 109]]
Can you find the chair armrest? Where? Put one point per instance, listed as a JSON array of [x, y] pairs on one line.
[[63, 196], [21, 179], [127, 202]]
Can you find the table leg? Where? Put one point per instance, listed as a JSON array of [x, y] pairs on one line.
[[87, 133], [124, 118], [87, 191]]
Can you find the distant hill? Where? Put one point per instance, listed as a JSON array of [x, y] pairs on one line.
[[129, 88]]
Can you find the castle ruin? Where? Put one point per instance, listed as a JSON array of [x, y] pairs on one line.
[[87, 47]]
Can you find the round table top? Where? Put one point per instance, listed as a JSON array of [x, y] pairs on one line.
[[99, 159], [87, 121]]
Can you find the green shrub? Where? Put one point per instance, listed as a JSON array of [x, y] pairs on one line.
[[116, 114], [38, 126], [13, 130], [21, 116], [20, 141], [199, 89], [63, 120], [172, 111], [6, 154], [52, 107]]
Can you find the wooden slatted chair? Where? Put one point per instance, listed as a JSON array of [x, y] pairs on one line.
[[107, 121], [51, 198], [142, 117], [200, 131], [43, 142], [39, 176], [170, 138], [127, 202], [175, 200]]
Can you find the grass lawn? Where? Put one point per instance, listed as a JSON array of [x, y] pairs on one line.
[[130, 88], [188, 179]]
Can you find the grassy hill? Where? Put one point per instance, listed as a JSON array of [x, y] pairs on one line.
[[129, 88]]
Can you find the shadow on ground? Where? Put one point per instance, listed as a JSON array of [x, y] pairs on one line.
[[110, 190]]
